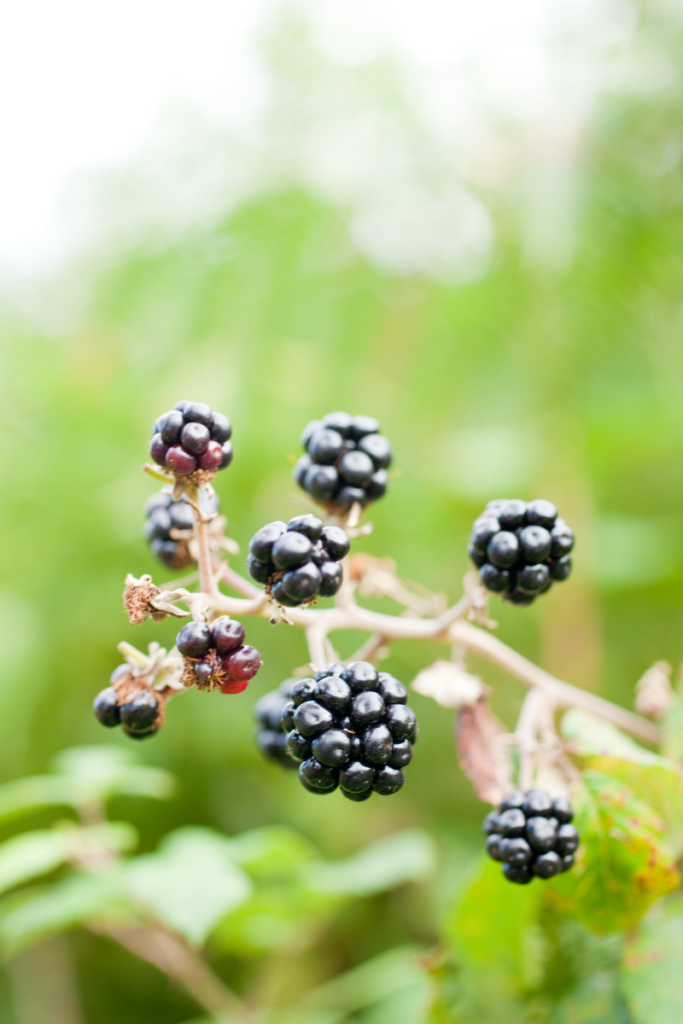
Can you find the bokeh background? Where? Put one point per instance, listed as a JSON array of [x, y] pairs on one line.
[[467, 223]]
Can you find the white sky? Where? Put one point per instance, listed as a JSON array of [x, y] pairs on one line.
[[84, 84]]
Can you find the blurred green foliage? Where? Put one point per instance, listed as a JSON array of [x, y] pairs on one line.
[[533, 381]]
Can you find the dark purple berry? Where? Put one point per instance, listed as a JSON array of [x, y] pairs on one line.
[[535, 543], [519, 597], [562, 810], [388, 780], [521, 876], [514, 799], [180, 461], [495, 580], [331, 748], [483, 531], [356, 797], [515, 851], [212, 457], [478, 557], [493, 845], [311, 718], [391, 690], [356, 777], [401, 754], [158, 450], [325, 447], [356, 468], [308, 432], [339, 421], [261, 544], [287, 716], [378, 448], [503, 550], [331, 578], [182, 406], [227, 634], [106, 707], [402, 721], [332, 691], [566, 862], [203, 670], [541, 834], [303, 583], [360, 675], [537, 802], [242, 663], [361, 426], [194, 640], [349, 496], [317, 775], [198, 412], [298, 746], [319, 554], [547, 865], [309, 525], [268, 709], [367, 707], [303, 689], [541, 513], [170, 426], [377, 743], [139, 713], [511, 515], [300, 469], [532, 578], [221, 429], [181, 515], [561, 568], [227, 455], [490, 823], [512, 822], [321, 482], [567, 840], [377, 487], [258, 570], [562, 537], [158, 525], [336, 542]]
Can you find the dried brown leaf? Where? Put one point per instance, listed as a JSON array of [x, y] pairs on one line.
[[483, 758]]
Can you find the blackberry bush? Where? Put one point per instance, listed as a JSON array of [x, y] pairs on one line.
[[299, 560], [532, 835], [168, 526], [350, 728], [215, 656], [271, 737], [345, 462], [190, 438], [521, 548]]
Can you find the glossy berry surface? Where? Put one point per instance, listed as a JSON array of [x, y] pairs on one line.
[[298, 561], [217, 655], [345, 461], [532, 835], [190, 437], [349, 727], [271, 737], [140, 712], [106, 707], [520, 548]]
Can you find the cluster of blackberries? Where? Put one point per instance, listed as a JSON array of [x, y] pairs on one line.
[[216, 656], [521, 548], [532, 835], [350, 727], [299, 560], [346, 461], [271, 737], [191, 437], [130, 704], [164, 517]]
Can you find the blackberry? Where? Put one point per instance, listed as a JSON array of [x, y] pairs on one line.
[[520, 548], [168, 526], [350, 728], [271, 735], [130, 703], [190, 438], [216, 657], [299, 560], [531, 833], [345, 463]]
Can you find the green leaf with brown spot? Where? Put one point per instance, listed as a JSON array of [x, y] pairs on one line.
[[624, 863]]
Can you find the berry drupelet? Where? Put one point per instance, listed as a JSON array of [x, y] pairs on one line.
[[350, 728], [271, 735], [532, 835], [521, 548], [191, 437], [130, 703], [216, 657], [299, 560], [346, 461], [168, 526]]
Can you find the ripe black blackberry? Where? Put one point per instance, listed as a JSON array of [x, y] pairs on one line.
[[216, 657], [168, 526], [521, 548], [350, 728], [532, 835], [299, 560], [190, 438], [130, 703], [271, 736], [346, 461]]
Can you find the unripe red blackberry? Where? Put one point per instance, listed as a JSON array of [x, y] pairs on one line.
[[215, 656], [192, 437], [520, 548], [346, 461], [299, 560], [531, 833]]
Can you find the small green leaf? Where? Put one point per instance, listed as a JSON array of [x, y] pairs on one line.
[[190, 883], [593, 737], [103, 772], [27, 856], [407, 856], [651, 977], [272, 852], [624, 864], [29, 918]]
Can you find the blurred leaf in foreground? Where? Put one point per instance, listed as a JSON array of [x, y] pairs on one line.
[[652, 966], [408, 856]]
